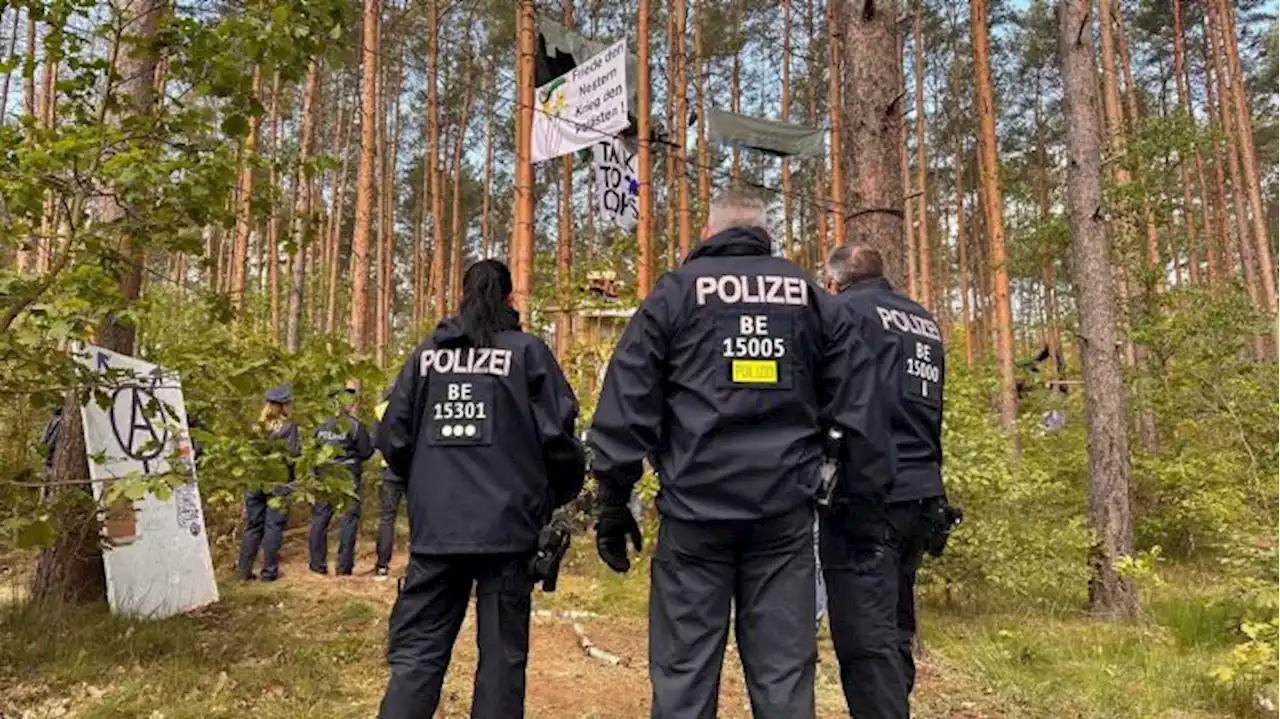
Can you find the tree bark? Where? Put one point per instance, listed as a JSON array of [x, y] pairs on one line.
[[813, 71], [735, 86], [988, 175], [8, 75], [522, 238], [244, 202], [681, 162], [1229, 135], [486, 232], [962, 259], [337, 207], [908, 208], [788, 240], [1184, 108], [644, 159], [922, 242], [1135, 120], [1110, 593], [1215, 248], [868, 120], [303, 219], [564, 241], [434, 149], [705, 162], [365, 186], [455, 214], [271, 255]]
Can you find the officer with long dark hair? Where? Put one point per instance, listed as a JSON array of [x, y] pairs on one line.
[[480, 424]]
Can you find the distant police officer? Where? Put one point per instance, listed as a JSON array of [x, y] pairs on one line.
[[873, 596], [481, 424], [264, 524], [349, 437], [722, 379]]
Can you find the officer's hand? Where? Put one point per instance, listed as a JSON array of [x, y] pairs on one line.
[[613, 527]]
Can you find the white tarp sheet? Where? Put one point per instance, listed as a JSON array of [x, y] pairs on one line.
[[159, 563]]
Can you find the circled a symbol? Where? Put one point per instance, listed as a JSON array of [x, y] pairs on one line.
[[134, 425]]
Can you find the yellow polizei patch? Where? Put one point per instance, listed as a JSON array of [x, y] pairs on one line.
[[755, 371]]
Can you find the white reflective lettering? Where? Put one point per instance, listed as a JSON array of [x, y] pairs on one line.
[[752, 289], [470, 360]]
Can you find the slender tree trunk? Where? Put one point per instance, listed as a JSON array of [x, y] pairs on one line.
[[564, 241], [303, 220], [1042, 215], [1135, 121], [867, 92], [338, 204], [1184, 108], [272, 244], [244, 202], [1229, 135], [705, 162], [788, 241], [522, 239], [1216, 249], [436, 283], [644, 159], [365, 185], [869, 120], [455, 214], [1110, 593], [387, 213], [735, 88], [813, 71], [988, 175], [962, 259], [908, 209], [376, 318], [681, 163], [1249, 158], [922, 165], [673, 142], [486, 233]]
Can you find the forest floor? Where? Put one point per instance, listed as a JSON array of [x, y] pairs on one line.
[[312, 646]]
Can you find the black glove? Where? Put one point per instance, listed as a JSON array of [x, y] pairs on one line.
[[613, 526]]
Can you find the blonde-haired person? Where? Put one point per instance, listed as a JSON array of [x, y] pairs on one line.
[[264, 524]]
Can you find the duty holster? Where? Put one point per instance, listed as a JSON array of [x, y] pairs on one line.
[[940, 519], [829, 469], [553, 544]]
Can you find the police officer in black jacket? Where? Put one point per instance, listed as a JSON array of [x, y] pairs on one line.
[[349, 437], [265, 524], [872, 588], [481, 424], [390, 494], [723, 379]]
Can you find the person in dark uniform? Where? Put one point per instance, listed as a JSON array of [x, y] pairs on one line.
[[872, 586], [723, 379], [390, 494], [481, 425], [348, 435], [264, 524]]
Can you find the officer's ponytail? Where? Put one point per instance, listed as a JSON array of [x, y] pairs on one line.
[[486, 287]]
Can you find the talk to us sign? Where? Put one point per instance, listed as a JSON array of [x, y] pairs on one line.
[[158, 562], [617, 184]]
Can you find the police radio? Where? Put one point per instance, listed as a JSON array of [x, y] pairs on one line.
[[829, 467]]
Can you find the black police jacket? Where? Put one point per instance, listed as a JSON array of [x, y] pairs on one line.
[[484, 437], [347, 434], [913, 362], [725, 377]]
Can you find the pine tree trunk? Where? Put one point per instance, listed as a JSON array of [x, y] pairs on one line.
[[439, 251], [1215, 248], [564, 240], [522, 238], [1110, 593], [867, 92], [705, 162], [365, 180], [681, 162], [869, 122], [337, 207], [813, 75], [922, 165], [1184, 108], [962, 258], [455, 215], [8, 75], [735, 88], [644, 160], [271, 255], [1229, 136], [486, 232], [671, 193], [908, 209], [244, 202], [787, 239], [988, 176], [1135, 121], [1042, 215], [69, 569], [303, 218], [1249, 158]]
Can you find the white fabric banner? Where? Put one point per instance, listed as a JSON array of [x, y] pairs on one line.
[[617, 184], [582, 107], [158, 563]]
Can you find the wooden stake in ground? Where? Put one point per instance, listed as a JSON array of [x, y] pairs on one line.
[[364, 175], [993, 210], [869, 125], [1106, 412]]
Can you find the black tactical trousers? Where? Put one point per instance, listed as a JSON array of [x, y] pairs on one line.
[[871, 592], [318, 539], [764, 570], [389, 496], [263, 527], [425, 622]]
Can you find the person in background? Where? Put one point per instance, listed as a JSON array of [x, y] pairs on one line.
[[349, 437], [871, 584], [264, 524], [724, 379], [390, 493], [481, 425]]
